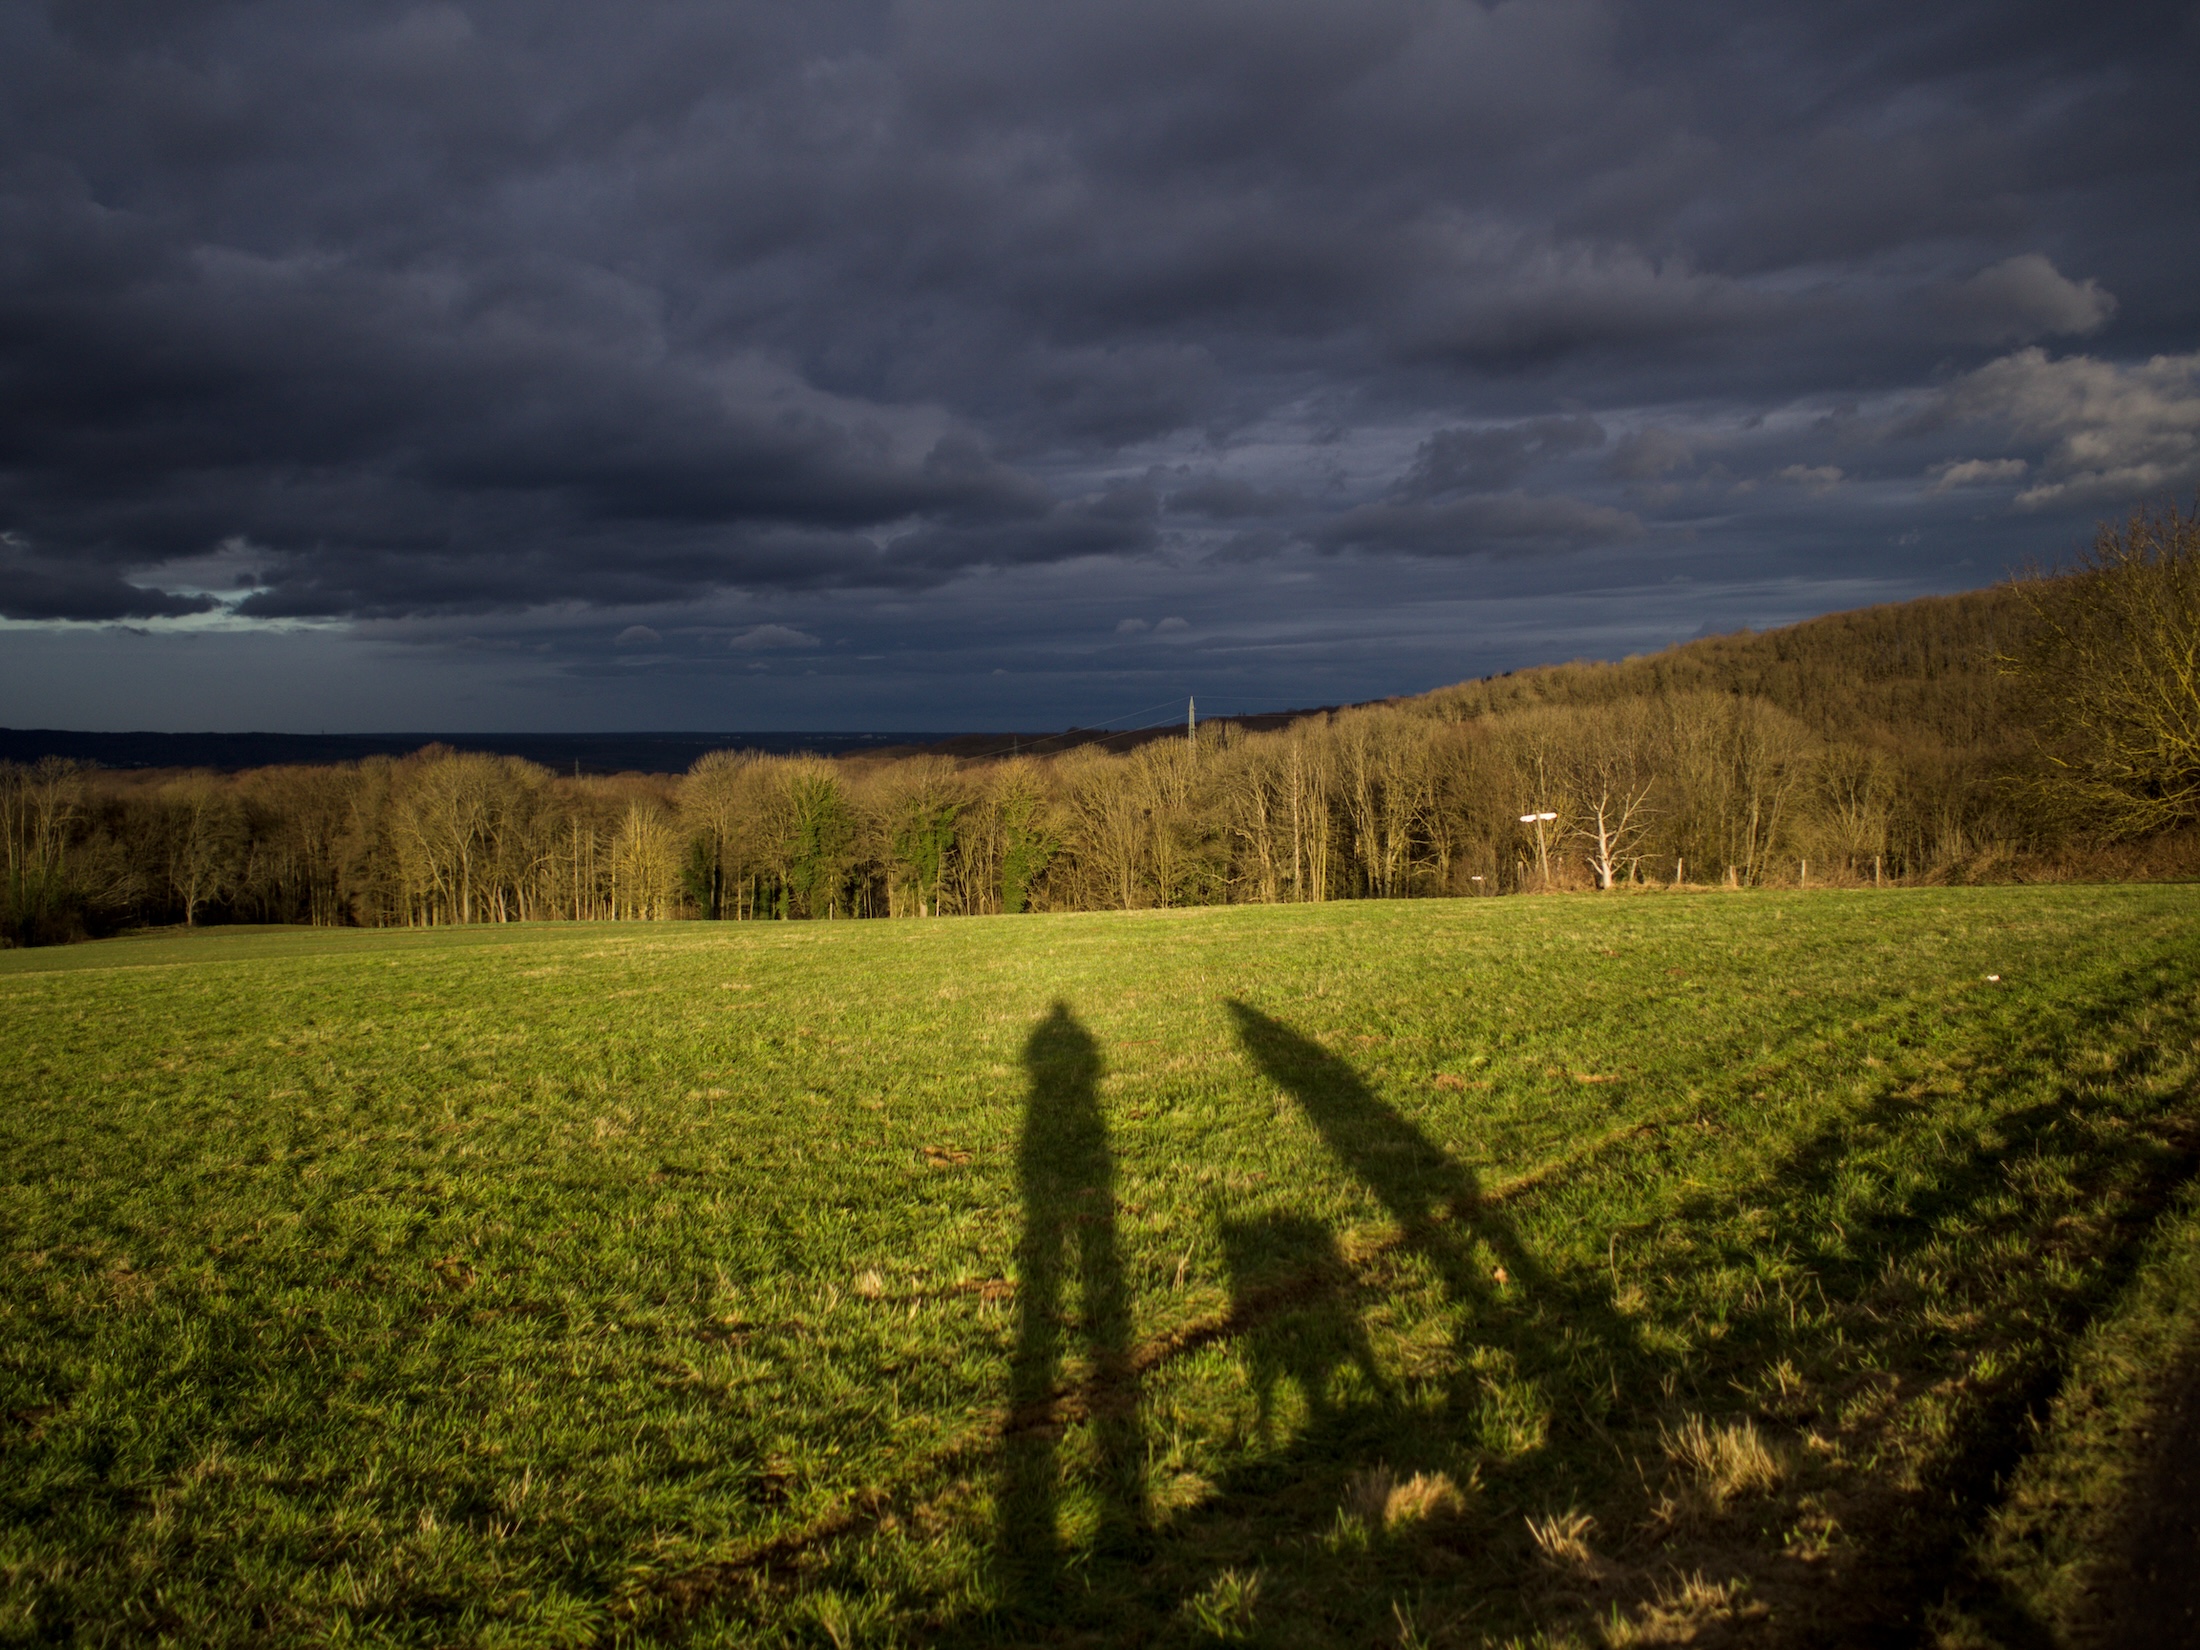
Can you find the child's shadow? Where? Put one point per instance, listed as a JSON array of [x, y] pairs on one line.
[[1290, 1287]]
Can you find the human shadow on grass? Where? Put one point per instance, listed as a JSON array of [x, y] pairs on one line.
[[1071, 1296], [1501, 1291], [1295, 1318], [1294, 1263], [1436, 1202], [1561, 1331]]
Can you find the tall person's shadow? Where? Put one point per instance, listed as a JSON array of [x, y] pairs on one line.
[[1066, 1174]]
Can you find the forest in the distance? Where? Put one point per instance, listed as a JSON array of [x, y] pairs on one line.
[[2044, 729]]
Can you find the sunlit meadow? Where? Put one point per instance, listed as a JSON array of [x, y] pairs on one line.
[[1387, 1273]]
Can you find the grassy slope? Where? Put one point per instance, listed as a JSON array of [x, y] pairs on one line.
[[531, 1285], [2072, 1553]]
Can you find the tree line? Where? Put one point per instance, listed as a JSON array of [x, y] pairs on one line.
[[2037, 729]]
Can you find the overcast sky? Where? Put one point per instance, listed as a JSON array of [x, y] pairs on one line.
[[982, 364]]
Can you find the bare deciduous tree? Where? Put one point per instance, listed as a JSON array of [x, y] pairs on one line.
[[2115, 656], [1611, 760], [207, 842], [40, 809], [1108, 827]]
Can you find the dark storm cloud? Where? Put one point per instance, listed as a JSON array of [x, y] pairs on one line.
[[1117, 522], [771, 638], [1463, 526], [1651, 451], [44, 587], [1226, 499], [412, 310], [1483, 460]]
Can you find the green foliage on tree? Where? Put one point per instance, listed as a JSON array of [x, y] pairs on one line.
[[702, 878], [922, 843], [1028, 845], [821, 834]]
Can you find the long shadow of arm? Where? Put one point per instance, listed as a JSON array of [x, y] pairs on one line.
[[1415, 1179], [1432, 1197]]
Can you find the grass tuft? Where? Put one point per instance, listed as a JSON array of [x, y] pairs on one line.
[[1728, 1461], [1227, 1607], [1563, 1538], [1687, 1611], [1383, 1501]]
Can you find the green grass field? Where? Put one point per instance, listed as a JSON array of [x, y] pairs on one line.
[[1563, 1270]]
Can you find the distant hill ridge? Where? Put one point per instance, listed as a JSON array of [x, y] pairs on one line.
[[587, 753], [1899, 673], [1876, 674], [1893, 674]]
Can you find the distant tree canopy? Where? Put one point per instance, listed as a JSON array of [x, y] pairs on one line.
[[2046, 728]]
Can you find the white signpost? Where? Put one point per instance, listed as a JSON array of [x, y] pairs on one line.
[[1542, 850]]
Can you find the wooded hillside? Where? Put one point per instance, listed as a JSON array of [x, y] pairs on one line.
[[1897, 743]]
